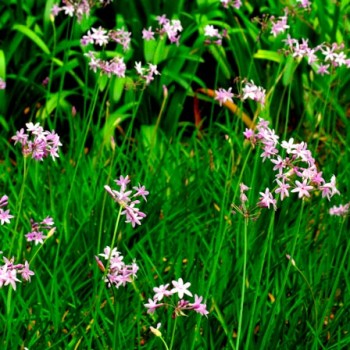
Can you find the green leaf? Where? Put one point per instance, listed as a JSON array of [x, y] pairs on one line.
[[269, 55], [32, 36], [2, 65], [291, 66]]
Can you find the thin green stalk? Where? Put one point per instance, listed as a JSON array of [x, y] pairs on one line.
[[245, 253], [80, 154], [173, 335], [102, 285], [335, 285], [164, 342], [287, 112], [284, 282], [256, 294], [19, 209]]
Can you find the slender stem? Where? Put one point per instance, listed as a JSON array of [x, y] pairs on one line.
[[164, 342], [245, 244], [266, 247], [173, 334], [99, 294], [19, 209], [80, 154], [284, 282]]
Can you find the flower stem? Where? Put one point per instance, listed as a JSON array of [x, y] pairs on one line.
[[173, 335], [245, 244]]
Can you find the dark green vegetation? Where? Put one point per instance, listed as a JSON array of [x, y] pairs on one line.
[[190, 154]]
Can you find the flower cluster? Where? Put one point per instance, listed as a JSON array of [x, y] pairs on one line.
[[124, 199], [36, 234], [341, 210], [43, 142], [118, 273], [78, 8], [2, 84], [146, 74], [254, 92], [9, 271], [306, 4], [115, 66], [212, 35], [296, 171], [170, 28], [249, 91], [180, 288], [102, 37], [330, 55], [281, 25], [5, 215], [233, 3]]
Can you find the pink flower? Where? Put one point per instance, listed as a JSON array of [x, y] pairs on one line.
[[5, 216], [267, 199], [223, 95], [329, 189], [282, 189], [152, 306], [198, 307], [253, 92], [2, 84], [148, 34], [302, 188], [161, 291], [180, 288], [322, 69]]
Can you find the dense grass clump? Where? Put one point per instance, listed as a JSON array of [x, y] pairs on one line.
[[174, 174]]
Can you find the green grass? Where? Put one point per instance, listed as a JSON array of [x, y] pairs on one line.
[[256, 297]]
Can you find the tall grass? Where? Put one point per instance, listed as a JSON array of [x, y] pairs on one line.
[[280, 281]]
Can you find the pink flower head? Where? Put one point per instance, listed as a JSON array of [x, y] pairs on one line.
[[223, 95], [267, 199], [152, 306], [148, 34], [180, 288], [302, 188]]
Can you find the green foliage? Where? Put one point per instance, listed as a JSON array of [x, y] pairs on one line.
[[256, 297]]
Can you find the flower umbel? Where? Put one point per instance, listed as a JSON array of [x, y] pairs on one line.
[[37, 142], [126, 200], [5, 215], [36, 234], [118, 273], [9, 271], [179, 306]]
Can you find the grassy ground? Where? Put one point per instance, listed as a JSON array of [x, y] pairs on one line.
[[279, 280]]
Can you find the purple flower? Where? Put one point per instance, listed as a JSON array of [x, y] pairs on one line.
[[152, 306], [322, 69], [341, 210], [198, 307], [119, 273], [282, 189], [266, 199], [280, 26], [122, 197], [2, 84], [26, 273], [302, 188], [161, 291], [5, 215], [223, 95], [254, 92], [148, 34], [36, 234], [42, 144]]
